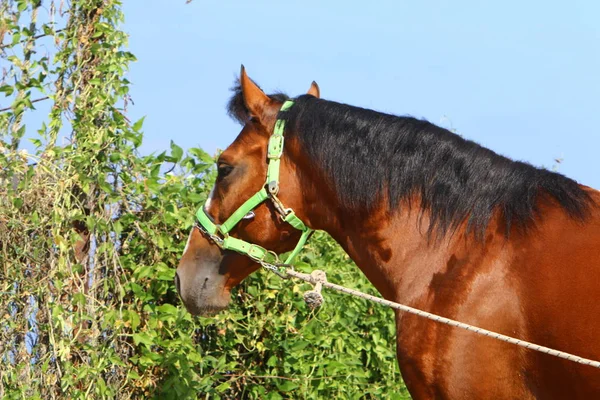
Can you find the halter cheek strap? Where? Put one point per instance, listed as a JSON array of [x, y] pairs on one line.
[[219, 234]]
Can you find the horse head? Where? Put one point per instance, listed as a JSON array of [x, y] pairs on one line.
[[208, 270]]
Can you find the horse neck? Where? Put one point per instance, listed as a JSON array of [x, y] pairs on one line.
[[393, 250]]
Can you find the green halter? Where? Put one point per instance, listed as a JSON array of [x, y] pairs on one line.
[[219, 234]]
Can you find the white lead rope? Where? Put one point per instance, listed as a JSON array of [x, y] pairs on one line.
[[318, 279]]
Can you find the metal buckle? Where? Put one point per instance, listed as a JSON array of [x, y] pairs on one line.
[[255, 246], [275, 144], [261, 249]]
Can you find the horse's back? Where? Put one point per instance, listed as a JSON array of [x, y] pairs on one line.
[[559, 284]]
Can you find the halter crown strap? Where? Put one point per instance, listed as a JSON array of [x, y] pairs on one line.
[[219, 234]]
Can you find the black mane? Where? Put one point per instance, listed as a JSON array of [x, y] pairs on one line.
[[369, 155]]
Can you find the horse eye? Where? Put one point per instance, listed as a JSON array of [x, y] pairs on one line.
[[224, 170]]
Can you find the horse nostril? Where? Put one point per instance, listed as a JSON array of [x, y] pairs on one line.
[[177, 284]]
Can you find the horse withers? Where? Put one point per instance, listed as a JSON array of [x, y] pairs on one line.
[[434, 221]]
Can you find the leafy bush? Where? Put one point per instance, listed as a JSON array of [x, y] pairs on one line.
[[91, 232]]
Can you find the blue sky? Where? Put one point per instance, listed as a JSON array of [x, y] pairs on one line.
[[522, 78]]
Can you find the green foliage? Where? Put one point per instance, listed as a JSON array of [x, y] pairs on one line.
[[91, 232]]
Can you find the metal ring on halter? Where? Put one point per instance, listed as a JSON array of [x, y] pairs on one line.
[[216, 239]]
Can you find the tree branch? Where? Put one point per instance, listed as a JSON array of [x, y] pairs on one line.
[[3, 46], [32, 101]]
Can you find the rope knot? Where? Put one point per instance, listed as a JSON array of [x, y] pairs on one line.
[[314, 298]]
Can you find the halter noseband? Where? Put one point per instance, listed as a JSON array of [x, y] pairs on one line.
[[219, 233]]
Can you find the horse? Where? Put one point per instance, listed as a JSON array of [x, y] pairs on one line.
[[433, 220]]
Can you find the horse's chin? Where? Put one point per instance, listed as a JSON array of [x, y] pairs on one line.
[[207, 309]]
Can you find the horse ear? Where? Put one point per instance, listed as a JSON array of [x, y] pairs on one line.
[[314, 90], [255, 99]]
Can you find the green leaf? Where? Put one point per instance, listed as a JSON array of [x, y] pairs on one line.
[[272, 362], [176, 152], [274, 396], [36, 142], [300, 345], [168, 309], [287, 386], [106, 187], [137, 126], [47, 30], [202, 155], [115, 157], [133, 375], [7, 90], [142, 337], [16, 38], [223, 387], [134, 319]]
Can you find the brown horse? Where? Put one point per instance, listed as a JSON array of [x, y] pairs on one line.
[[434, 221]]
